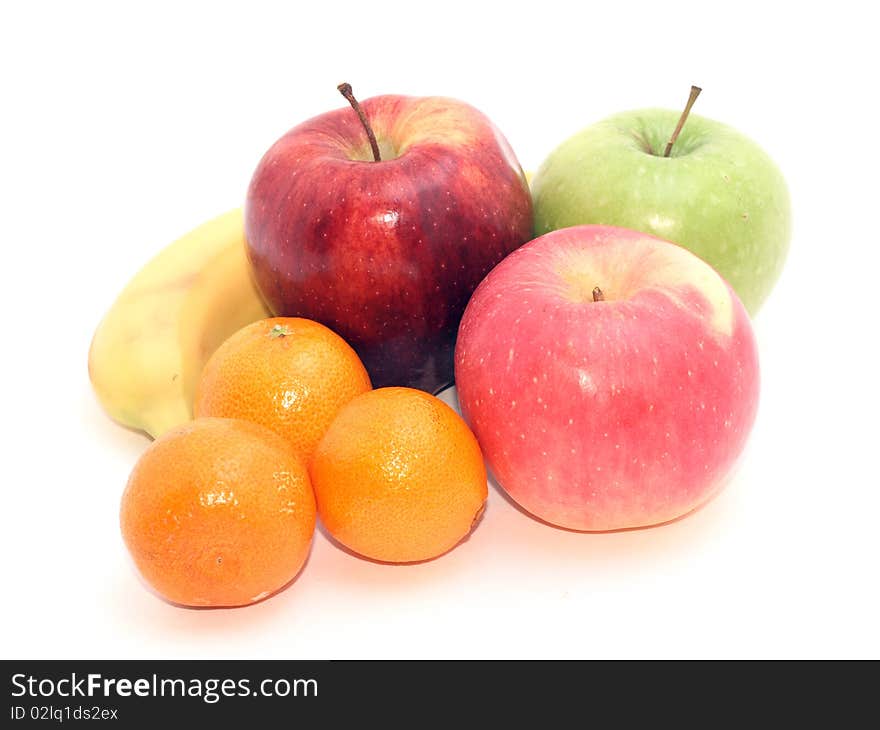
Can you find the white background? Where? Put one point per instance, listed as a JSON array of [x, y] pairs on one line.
[[122, 129]]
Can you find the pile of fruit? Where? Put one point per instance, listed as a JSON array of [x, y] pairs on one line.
[[286, 358]]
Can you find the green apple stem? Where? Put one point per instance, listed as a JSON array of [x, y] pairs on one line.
[[598, 296], [695, 92], [345, 90]]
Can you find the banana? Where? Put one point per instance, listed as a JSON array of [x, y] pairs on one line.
[[149, 349]]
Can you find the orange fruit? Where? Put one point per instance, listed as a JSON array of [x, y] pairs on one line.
[[289, 374], [218, 512], [398, 476]]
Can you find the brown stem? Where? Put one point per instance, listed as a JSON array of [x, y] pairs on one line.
[[695, 92], [345, 90], [598, 296]]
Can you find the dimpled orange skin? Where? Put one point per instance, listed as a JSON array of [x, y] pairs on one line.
[[293, 383], [399, 477], [218, 512]]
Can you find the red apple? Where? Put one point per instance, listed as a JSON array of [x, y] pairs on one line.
[[387, 253], [610, 377]]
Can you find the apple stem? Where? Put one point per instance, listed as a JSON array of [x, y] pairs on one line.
[[345, 90], [598, 296], [695, 92]]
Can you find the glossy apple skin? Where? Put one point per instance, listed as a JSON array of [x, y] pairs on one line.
[[718, 194], [387, 253], [604, 415]]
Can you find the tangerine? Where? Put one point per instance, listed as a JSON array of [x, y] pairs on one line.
[[398, 476], [218, 512], [286, 373]]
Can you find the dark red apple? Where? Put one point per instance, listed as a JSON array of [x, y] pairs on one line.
[[388, 252]]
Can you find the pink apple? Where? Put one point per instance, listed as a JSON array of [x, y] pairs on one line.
[[610, 377]]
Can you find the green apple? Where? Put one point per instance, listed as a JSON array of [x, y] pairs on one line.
[[717, 193]]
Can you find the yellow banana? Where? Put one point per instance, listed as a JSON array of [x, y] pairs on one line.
[[148, 351]]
